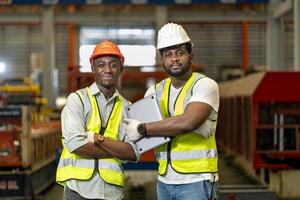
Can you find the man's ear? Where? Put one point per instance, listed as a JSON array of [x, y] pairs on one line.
[[92, 67], [121, 68]]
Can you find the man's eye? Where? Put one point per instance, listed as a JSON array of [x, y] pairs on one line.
[[100, 65], [180, 53], [168, 54], [114, 65]]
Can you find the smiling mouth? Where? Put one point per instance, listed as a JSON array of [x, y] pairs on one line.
[[107, 78], [175, 66]]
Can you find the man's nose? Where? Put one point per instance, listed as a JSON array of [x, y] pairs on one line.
[[107, 69], [174, 56]]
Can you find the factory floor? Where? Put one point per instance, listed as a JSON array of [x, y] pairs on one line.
[[229, 175]]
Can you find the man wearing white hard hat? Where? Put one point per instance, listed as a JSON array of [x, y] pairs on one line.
[[189, 103]]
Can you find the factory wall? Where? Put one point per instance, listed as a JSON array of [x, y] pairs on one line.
[[217, 45]]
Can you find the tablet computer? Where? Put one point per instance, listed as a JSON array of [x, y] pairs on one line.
[[146, 110]]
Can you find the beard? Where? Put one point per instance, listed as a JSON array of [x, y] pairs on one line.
[[178, 72]]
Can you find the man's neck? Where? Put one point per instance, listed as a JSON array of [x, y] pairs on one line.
[[107, 92], [178, 82]]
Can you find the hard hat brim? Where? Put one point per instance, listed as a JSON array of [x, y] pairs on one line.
[[121, 58], [173, 44]]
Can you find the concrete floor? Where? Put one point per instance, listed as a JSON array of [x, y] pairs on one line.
[[54, 192], [229, 175]]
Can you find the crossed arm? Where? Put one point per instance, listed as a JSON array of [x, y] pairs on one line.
[[77, 141], [107, 149]]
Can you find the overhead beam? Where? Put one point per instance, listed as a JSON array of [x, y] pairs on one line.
[[150, 17], [20, 18], [217, 15], [126, 2], [81, 18]]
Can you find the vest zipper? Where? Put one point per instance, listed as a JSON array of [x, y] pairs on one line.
[[169, 143], [169, 152], [103, 129], [96, 165]]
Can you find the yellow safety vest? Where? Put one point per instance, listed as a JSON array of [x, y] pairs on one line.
[[190, 152], [72, 166]]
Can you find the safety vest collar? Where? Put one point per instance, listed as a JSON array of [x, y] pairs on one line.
[[95, 90], [94, 122], [114, 119], [179, 102], [179, 105]]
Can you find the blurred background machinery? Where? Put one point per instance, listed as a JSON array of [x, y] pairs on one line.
[[259, 124], [29, 140]]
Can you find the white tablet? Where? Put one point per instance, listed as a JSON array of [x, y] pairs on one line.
[[146, 110]]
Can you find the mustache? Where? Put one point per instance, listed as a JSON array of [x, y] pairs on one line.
[[176, 64]]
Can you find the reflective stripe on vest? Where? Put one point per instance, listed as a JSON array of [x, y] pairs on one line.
[[83, 163], [189, 155], [72, 166], [186, 153]]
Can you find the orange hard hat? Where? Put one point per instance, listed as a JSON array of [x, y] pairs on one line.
[[107, 48]]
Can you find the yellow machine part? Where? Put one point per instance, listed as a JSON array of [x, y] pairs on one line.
[[41, 100], [21, 88]]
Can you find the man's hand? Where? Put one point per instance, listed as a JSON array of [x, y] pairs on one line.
[[131, 129], [206, 129]]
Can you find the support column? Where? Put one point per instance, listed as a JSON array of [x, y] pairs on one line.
[[274, 40], [50, 79], [297, 35], [245, 48], [161, 17]]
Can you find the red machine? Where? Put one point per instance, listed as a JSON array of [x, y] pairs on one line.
[[10, 146], [259, 119]]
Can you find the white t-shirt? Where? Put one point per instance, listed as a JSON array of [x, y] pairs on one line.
[[205, 90]]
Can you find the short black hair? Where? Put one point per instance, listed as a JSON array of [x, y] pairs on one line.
[[187, 46]]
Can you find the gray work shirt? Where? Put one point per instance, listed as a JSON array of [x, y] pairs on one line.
[[75, 134]]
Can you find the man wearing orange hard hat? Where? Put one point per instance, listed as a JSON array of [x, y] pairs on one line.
[[94, 144]]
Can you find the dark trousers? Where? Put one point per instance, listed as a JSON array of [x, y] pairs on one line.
[[72, 195]]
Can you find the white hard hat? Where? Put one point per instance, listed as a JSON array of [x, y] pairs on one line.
[[171, 34]]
